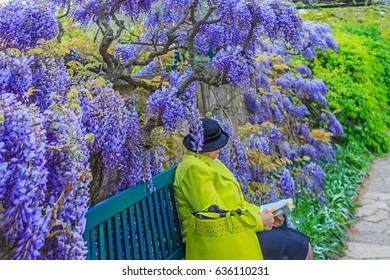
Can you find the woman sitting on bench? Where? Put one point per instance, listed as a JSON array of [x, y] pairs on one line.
[[202, 180]]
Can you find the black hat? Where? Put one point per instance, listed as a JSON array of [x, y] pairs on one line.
[[214, 137]]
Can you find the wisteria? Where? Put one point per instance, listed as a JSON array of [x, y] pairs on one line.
[[317, 35], [237, 68], [105, 118], [312, 177], [89, 11], [46, 176], [23, 24], [67, 187], [15, 73], [70, 141], [287, 184], [126, 52], [175, 110], [305, 89], [280, 20], [23, 177], [50, 78], [335, 126], [131, 154]]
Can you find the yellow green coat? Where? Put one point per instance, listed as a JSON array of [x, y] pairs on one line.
[[201, 182]]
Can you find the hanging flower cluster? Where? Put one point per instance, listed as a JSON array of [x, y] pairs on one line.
[[57, 130], [23, 24]]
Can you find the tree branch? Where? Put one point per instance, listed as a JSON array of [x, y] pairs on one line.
[[66, 12], [195, 30], [137, 83], [166, 47], [249, 37], [108, 38]]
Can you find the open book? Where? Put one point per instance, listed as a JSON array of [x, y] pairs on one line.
[[281, 207]]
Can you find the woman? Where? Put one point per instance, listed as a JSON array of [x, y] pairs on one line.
[[202, 180]]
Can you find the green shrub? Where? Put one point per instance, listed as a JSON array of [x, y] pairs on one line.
[[358, 77]]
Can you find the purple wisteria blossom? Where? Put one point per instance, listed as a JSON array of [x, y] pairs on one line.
[[105, 118], [152, 68], [335, 126], [225, 154], [49, 77], [304, 71], [308, 89], [287, 184], [280, 20], [68, 184], [15, 74], [234, 65], [126, 51], [260, 142], [23, 178], [87, 12], [130, 165], [317, 35], [23, 24], [312, 177], [241, 170]]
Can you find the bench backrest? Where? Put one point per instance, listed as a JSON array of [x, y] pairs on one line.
[[136, 225]]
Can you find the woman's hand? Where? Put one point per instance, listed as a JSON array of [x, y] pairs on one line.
[[278, 220], [268, 219]]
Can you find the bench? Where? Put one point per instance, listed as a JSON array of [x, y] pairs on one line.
[[136, 224]]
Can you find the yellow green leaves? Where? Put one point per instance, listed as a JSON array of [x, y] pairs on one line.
[[30, 92], [90, 137], [321, 135], [358, 77]]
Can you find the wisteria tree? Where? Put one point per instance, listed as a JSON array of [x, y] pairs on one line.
[[68, 140]]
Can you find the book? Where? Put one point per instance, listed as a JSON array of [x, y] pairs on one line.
[[281, 207]]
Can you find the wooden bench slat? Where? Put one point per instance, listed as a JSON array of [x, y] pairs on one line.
[[125, 234], [170, 218], [178, 254], [152, 217], [87, 238], [102, 249], [118, 239], [160, 230], [133, 235], [147, 232], [177, 224], [110, 240], [140, 234], [93, 244], [165, 221]]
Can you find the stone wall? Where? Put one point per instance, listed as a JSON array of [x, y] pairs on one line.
[[226, 101]]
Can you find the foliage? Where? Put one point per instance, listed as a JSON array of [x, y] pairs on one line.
[[358, 79], [64, 88], [326, 224]]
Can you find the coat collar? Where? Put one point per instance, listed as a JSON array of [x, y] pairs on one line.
[[215, 164]]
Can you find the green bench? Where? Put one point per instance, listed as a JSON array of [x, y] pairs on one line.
[[136, 224]]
